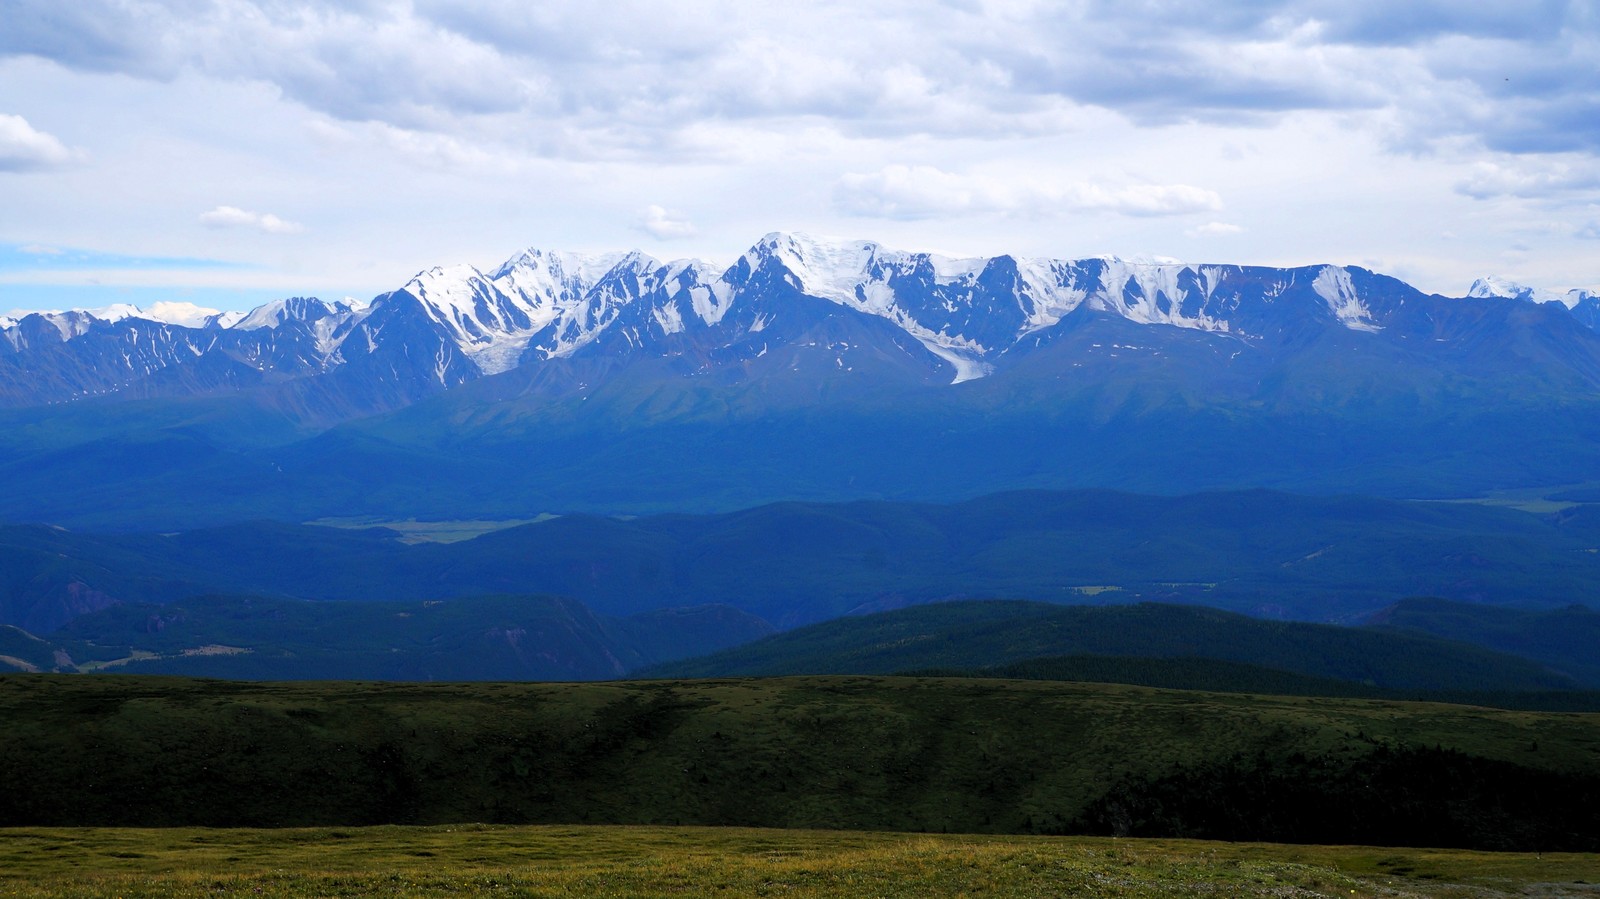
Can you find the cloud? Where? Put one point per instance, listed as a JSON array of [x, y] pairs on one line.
[[1591, 231], [925, 192], [1140, 199], [917, 192], [562, 79], [663, 224], [1214, 229], [234, 217], [25, 149], [1530, 179], [39, 258]]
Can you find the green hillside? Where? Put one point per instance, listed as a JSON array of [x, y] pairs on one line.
[[978, 634], [20, 650], [851, 753]]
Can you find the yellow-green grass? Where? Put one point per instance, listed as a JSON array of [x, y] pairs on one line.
[[478, 860]]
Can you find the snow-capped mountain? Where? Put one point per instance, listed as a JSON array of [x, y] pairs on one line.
[[963, 319], [965, 312], [806, 368], [1500, 287], [1582, 302]]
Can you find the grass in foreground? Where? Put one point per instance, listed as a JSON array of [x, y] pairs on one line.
[[476, 860]]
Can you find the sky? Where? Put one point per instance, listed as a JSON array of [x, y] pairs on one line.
[[228, 152]]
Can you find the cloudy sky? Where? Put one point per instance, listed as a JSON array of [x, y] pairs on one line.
[[227, 152]]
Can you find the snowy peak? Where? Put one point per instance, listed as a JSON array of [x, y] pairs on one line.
[[184, 315], [73, 323], [825, 268], [487, 324], [1491, 286], [1501, 287], [276, 313], [546, 281]]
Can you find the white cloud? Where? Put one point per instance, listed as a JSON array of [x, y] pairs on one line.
[[25, 149], [1214, 229], [663, 224], [234, 217], [924, 192], [1140, 199], [1590, 231], [410, 132], [917, 192], [1515, 76], [1530, 178], [34, 249]]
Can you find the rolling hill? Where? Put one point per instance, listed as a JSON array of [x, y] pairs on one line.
[[963, 635], [855, 753], [1266, 553]]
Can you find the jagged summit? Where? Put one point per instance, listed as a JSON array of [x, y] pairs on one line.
[[277, 312]]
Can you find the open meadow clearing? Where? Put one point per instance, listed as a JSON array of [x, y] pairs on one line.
[[478, 860]]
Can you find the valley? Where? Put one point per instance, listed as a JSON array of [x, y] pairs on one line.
[[842, 537]]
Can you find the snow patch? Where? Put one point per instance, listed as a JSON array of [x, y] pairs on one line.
[[184, 315], [950, 271], [1333, 284], [712, 301], [1052, 288], [669, 317]]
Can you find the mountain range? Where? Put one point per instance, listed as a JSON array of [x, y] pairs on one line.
[[450, 325], [807, 369]]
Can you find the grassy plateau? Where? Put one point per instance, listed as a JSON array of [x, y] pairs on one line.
[[561, 861]]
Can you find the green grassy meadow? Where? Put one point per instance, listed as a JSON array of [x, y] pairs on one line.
[[538, 861]]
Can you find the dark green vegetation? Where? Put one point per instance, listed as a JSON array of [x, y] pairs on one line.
[[853, 753], [1567, 639], [969, 635], [1218, 676], [1266, 553], [641, 862], [470, 638]]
